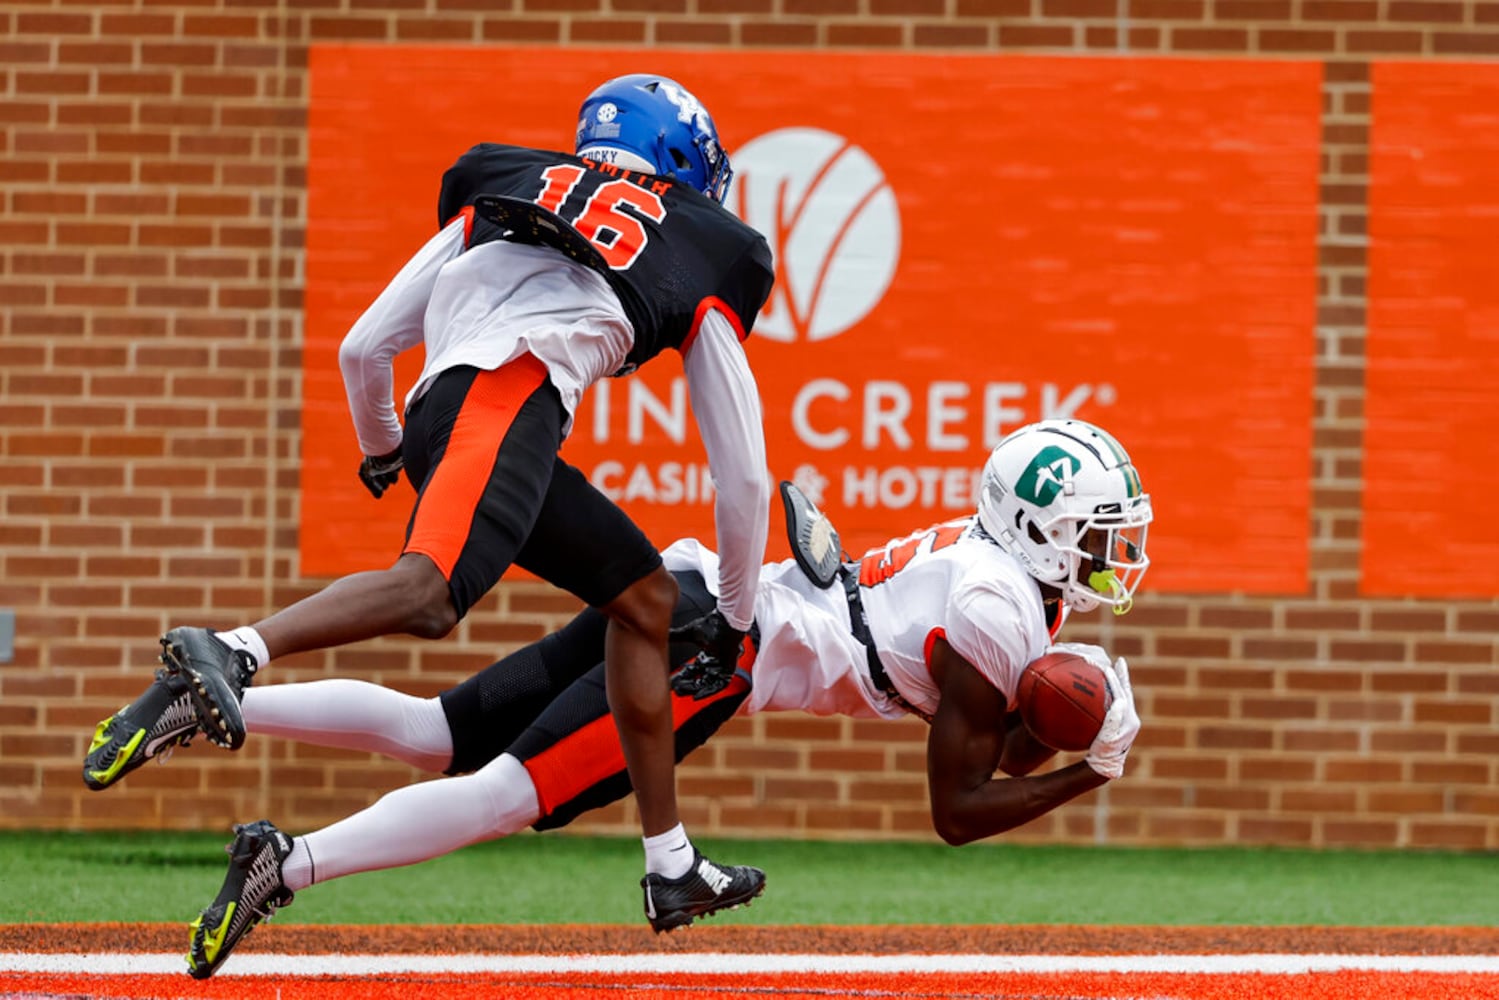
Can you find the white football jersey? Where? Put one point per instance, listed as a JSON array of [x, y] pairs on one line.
[[947, 581], [953, 582]]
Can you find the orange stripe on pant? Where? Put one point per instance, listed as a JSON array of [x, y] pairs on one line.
[[577, 762], [446, 510]]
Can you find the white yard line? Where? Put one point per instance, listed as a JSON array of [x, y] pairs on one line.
[[709, 964]]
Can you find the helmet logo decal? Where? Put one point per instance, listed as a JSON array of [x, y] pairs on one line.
[[1047, 475], [831, 218], [606, 112], [689, 111]]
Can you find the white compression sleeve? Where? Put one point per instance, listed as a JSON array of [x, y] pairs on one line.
[[354, 715], [726, 404], [424, 821]]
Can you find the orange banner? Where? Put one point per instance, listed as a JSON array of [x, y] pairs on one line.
[[1433, 345], [964, 244]]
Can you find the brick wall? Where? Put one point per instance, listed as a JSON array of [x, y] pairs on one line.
[[152, 174]]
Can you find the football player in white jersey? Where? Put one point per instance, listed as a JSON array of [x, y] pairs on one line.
[[939, 624]]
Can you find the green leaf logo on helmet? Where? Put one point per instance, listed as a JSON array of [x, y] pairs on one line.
[[1043, 480]]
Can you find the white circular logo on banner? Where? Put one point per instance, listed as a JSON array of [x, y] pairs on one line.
[[832, 222]]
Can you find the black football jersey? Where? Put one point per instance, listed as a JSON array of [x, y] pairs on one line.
[[668, 251]]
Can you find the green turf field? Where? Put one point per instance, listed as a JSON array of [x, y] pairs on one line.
[[566, 879]]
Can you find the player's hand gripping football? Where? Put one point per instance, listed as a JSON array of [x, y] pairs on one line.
[[1120, 725], [719, 645], [380, 472]]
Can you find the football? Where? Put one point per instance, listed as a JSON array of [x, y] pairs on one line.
[[1063, 699]]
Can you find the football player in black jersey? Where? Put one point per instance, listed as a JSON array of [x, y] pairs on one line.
[[549, 271]]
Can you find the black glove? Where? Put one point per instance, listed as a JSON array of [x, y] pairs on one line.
[[711, 670], [379, 473]]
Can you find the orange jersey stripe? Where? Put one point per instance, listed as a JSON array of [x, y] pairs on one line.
[[712, 302], [446, 510]]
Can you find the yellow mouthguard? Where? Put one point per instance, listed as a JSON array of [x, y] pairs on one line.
[[1107, 584]]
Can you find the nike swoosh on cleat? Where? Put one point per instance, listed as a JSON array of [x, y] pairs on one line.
[[650, 903], [154, 745]]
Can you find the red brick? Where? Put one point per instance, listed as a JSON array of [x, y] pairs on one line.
[[1168, 706], [1186, 828], [53, 24], [221, 25], [1439, 651], [1194, 768], [1320, 801], [975, 36], [1209, 39], [863, 35], [1457, 772], [1216, 737], [177, 54], [1384, 42], [1364, 710], [1470, 803], [134, 25], [1326, 680], [1025, 36], [17, 53], [914, 8], [522, 30], [1407, 741], [1409, 681], [1296, 650], [1341, 11], [59, 143], [1252, 10], [1367, 651], [1454, 712], [1426, 11], [1277, 769], [1452, 835], [693, 32], [763, 758], [1278, 708], [218, 84]]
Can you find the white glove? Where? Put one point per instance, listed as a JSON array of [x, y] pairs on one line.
[[1120, 725]]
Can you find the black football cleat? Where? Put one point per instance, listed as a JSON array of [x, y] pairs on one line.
[[152, 726], [252, 892], [703, 891], [217, 677]]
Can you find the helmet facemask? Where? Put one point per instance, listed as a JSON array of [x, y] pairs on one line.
[[1108, 558]]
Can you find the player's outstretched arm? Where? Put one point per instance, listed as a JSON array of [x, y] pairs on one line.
[[726, 405], [1022, 753], [964, 749]]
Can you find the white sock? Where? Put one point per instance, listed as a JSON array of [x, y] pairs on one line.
[[296, 870], [668, 854], [425, 820], [249, 640], [353, 715]]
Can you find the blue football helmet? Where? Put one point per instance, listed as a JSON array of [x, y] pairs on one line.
[[654, 124]]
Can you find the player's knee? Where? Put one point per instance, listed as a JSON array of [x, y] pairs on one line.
[[434, 618], [424, 591], [646, 605]]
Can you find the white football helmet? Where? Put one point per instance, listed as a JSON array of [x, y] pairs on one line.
[[1062, 497]]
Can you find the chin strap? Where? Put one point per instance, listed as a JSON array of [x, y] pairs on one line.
[[1105, 583]]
